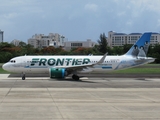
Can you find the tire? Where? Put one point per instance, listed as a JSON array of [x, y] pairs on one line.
[[75, 77], [23, 77]]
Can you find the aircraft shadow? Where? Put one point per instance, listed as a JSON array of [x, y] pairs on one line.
[[142, 79], [71, 80], [28, 75]]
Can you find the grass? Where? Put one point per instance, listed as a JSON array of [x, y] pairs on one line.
[[3, 71], [1, 64], [152, 65], [138, 71], [146, 69]]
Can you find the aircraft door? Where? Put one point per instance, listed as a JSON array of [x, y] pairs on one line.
[[26, 64]]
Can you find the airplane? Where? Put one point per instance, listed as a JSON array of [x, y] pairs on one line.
[[62, 66]]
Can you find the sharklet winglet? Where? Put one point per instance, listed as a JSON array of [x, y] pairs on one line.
[[102, 59]]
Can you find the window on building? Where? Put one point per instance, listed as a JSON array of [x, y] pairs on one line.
[[76, 44]]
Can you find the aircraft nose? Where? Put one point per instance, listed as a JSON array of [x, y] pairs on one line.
[[4, 67]]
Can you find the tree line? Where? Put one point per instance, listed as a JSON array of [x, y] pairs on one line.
[[8, 51]]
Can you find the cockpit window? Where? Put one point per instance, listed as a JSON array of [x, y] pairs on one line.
[[12, 61]]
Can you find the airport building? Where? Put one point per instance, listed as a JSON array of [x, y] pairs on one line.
[[74, 44], [119, 39], [41, 40], [1, 36]]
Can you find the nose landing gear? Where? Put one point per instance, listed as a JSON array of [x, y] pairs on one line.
[[23, 76]]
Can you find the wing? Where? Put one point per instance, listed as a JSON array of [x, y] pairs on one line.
[[80, 67]]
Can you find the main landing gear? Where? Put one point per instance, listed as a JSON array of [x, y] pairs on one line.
[[75, 77], [23, 76]]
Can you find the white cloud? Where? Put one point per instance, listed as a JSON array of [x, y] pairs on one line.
[[129, 23], [140, 6], [158, 22], [68, 16], [121, 13], [154, 6], [146, 4], [10, 15], [136, 8], [92, 7], [74, 15]]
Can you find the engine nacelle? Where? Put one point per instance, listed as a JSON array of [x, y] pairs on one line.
[[57, 72]]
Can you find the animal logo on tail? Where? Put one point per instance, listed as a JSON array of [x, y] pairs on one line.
[[140, 48]]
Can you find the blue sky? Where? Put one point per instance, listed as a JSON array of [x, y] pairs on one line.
[[77, 19]]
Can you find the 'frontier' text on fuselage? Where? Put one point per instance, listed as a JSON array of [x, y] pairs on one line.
[[58, 61]]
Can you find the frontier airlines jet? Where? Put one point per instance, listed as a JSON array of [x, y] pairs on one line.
[[61, 66]]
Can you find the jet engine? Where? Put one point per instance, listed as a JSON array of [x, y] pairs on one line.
[[57, 72]]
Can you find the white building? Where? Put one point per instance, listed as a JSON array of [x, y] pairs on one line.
[[74, 44], [41, 40], [119, 39], [15, 42], [1, 36]]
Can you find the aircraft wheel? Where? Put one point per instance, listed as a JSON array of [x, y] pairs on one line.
[[75, 77], [23, 77]]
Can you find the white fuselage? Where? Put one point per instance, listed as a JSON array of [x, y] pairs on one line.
[[42, 64]]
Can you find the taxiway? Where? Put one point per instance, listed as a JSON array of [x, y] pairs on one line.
[[92, 98]]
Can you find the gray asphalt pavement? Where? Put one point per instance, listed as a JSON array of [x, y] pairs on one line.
[[85, 82], [91, 98]]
